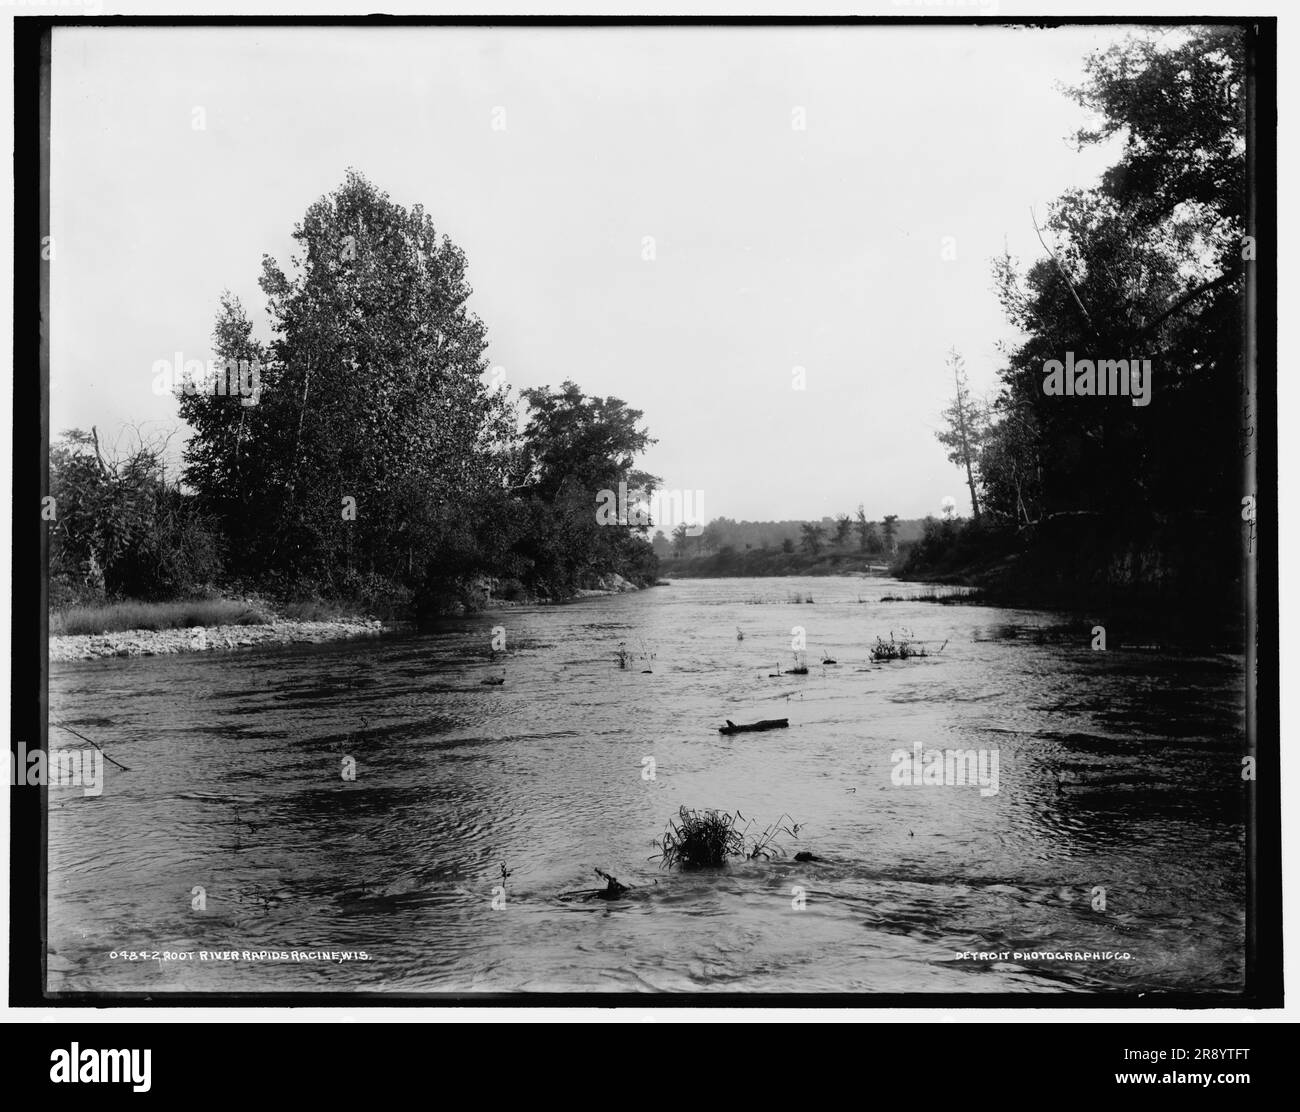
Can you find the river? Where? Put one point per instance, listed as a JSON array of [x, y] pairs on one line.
[[1116, 828]]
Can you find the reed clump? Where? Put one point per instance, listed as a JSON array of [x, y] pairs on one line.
[[902, 649], [946, 594], [699, 839]]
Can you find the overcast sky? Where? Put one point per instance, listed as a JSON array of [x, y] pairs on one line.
[[774, 247]]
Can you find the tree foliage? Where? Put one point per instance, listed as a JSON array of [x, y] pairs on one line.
[[1147, 265], [376, 451], [120, 529]]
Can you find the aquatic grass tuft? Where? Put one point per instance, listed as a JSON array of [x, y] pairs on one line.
[[765, 844], [901, 649], [699, 839]]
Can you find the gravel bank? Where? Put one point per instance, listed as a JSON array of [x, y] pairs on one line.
[[154, 642]]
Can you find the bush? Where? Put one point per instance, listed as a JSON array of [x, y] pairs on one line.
[[121, 530], [374, 594]]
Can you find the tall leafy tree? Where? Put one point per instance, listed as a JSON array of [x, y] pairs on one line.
[[889, 530], [868, 537], [374, 444], [843, 526], [574, 447], [812, 538], [1147, 265]]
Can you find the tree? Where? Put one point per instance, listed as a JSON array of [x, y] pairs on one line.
[[843, 525], [1010, 472], [120, 529], [812, 538], [223, 426], [1182, 112], [891, 545], [868, 538], [372, 400], [713, 536], [964, 429], [575, 447], [1147, 266]]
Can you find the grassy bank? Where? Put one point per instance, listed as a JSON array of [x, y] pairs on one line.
[[123, 616], [131, 614]]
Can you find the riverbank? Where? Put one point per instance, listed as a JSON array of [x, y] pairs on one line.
[[1181, 590], [159, 642], [273, 631]]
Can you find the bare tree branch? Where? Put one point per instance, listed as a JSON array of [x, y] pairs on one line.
[[1061, 270]]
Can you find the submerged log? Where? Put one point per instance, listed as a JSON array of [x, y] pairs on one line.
[[612, 890], [744, 728]]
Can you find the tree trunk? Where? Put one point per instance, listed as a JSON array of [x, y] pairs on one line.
[[297, 446]]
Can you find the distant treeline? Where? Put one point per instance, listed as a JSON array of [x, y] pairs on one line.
[[1098, 493], [759, 562], [841, 534], [375, 460], [840, 545]]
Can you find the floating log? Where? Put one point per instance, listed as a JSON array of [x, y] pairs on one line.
[[745, 728]]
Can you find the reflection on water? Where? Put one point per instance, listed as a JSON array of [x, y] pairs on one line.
[[1118, 770]]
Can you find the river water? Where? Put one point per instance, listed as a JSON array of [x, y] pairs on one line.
[[1118, 780]]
